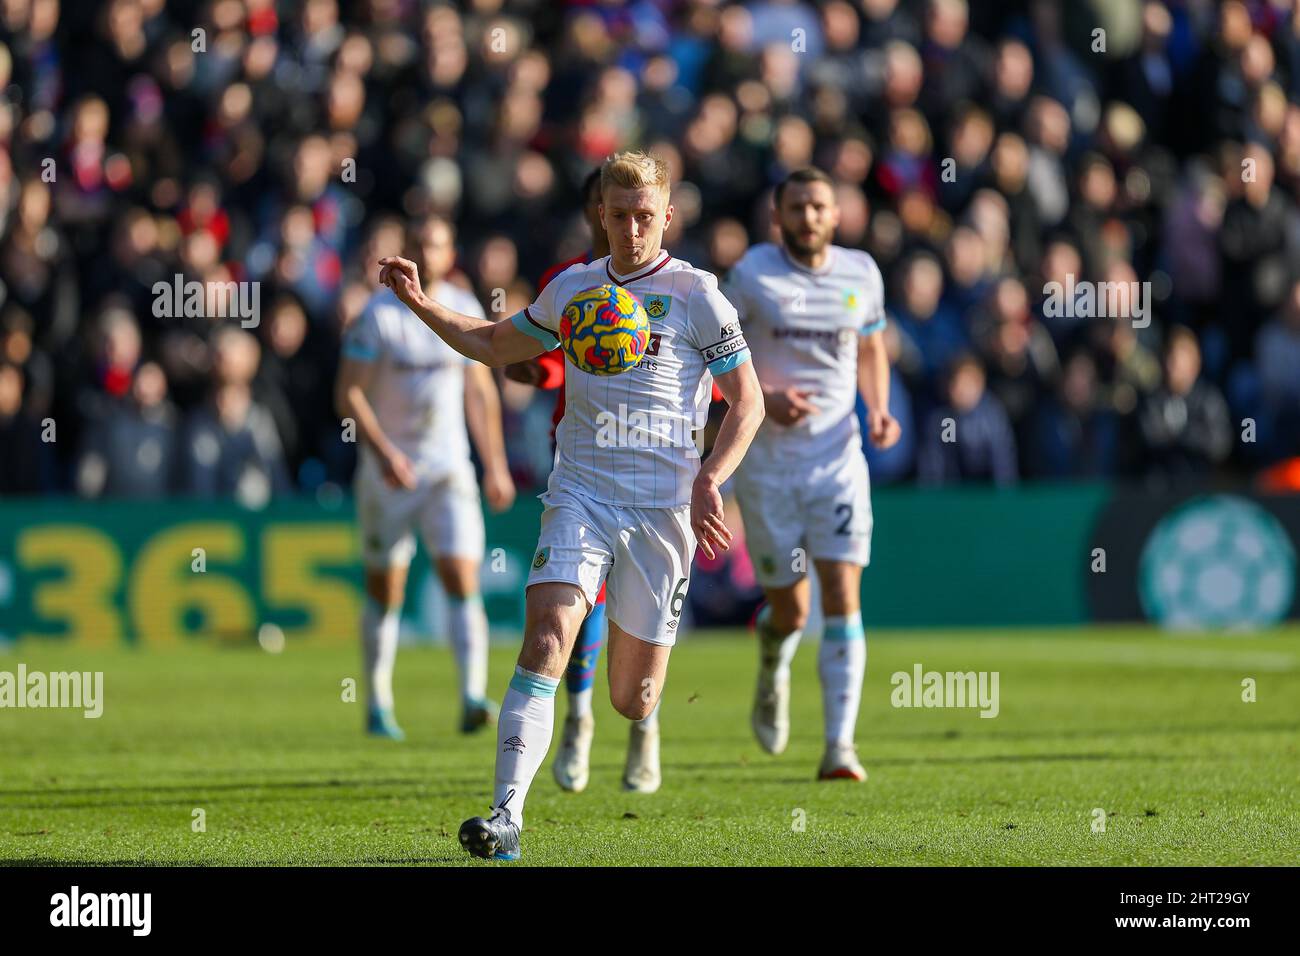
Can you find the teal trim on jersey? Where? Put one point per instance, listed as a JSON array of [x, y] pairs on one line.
[[534, 685], [359, 353], [524, 324], [842, 629], [721, 366], [874, 327]]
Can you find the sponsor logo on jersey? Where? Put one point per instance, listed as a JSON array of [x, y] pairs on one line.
[[830, 335], [732, 341], [433, 366], [543, 555], [652, 348], [657, 306]]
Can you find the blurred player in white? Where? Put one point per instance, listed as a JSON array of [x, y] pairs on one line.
[[814, 315], [627, 513], [411, 397]]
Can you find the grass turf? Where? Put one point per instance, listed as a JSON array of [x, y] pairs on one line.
[[1149, 728]]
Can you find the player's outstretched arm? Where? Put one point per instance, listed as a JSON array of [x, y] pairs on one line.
[[739, 425], [883, 429], [483, 417], [492, 343]]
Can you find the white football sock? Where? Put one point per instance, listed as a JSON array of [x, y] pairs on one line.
[[524, 729], [778, 650], [651, 720], [379, 628], [469, 642], [841, 665], [580, 702]]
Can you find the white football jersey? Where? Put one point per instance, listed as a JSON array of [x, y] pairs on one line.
[[418, 390], [629, 439], [803, 329]]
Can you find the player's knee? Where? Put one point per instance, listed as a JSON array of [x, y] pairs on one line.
[[544, 644], [786, 620], [385, 588], [631, 702], [459, 577], [840, 599]]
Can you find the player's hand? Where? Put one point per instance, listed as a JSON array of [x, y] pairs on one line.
[[499, 489], [402, 276], [789, 406], [526, 373], [883, 429], [706, 517], [398, 471]]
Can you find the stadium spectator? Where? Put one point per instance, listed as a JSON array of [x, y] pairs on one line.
[[289, 145], [928, 324], [129, 448], [1020, 357], [1184, 424], [1277, 365], [968, 438], [1074, 436], [231, 447], [20, 436]]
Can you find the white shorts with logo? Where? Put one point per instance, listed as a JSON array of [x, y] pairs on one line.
[[826, 514], [642, 555], [444, 509]]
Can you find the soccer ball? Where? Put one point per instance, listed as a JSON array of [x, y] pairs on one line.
[[1219, 562], [604, 330]]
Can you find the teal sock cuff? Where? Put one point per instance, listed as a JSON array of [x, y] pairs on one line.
[[534, 685], [847, 628], [469, 599]]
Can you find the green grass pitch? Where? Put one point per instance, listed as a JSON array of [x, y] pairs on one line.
[[1151, 729]]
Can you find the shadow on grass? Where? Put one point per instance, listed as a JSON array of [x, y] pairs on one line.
[[52, 863], [238, 792]]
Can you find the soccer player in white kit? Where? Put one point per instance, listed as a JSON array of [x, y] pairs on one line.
[[411, 397], [814, 315], [628, 498]]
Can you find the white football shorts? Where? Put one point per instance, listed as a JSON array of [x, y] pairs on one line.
[[642, 555], [826, 514], [445, 509]]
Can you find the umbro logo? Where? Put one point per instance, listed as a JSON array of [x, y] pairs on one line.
[[515, 744], [672, 625]]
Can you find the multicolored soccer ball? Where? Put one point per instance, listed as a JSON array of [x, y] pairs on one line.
[[604, 330]]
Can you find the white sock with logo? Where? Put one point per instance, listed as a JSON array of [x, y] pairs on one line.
[[777, 650], [469, 642], [841, 665], [524, 729], [379, 627]]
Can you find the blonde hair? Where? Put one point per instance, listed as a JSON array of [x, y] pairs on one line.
[[633, 169]]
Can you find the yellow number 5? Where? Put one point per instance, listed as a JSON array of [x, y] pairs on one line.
[[84, 598]]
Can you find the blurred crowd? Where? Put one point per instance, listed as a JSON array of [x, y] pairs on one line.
[[982, 151]]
